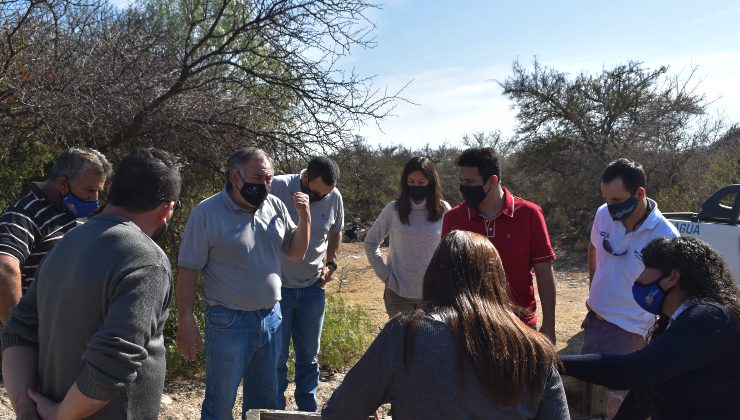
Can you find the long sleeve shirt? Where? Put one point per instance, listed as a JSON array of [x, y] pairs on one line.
[[432, 386], [691, 371], [96, 314], [410, 248]]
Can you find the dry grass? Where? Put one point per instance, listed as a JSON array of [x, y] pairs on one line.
[[360, 285]]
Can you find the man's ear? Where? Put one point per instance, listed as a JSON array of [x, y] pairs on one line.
[[640, 193], [62, 184], [166, 211], [233, 178], [493, 180]]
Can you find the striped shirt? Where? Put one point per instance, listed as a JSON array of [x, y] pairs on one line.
[[29, 228]]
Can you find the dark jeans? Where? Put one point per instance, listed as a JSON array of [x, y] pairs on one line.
[[303, 318]]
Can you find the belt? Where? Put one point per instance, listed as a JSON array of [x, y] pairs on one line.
[[599, 317]]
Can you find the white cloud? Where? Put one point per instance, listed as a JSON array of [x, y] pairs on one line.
[[454, 101], [450, 103]]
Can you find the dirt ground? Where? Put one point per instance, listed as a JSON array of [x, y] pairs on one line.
[[356, 282]]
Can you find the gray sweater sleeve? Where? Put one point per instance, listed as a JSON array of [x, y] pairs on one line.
[[136, 302], [375, 236], [366, 386], [554, 404]]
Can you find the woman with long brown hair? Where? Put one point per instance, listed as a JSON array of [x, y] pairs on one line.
[[465, 354], [413, 222]]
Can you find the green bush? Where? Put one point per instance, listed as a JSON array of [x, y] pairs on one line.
[[348, 332]]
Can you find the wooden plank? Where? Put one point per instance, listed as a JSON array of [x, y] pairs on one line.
[[280, 415], [585, 400], [283, 415]]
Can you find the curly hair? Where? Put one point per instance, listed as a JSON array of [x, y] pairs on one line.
[[704, 274]]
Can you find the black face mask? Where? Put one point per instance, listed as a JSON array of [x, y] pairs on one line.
[[473, 195], [312, 195], [418, 192], [157, 235], [254, 194]]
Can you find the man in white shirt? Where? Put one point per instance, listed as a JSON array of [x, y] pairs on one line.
[[622, 227]]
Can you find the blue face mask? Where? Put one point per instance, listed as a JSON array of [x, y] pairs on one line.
[[78, 208], [651, 296], [621, 211]]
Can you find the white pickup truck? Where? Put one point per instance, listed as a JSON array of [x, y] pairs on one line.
[[717, 223]]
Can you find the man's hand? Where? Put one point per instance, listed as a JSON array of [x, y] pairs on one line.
[[28, 413], [326, 274], [76, 405], [46, 408], [188, 338], [549, 332], [301, 202]]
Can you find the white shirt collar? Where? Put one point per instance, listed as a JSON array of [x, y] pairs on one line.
[[682, 307]]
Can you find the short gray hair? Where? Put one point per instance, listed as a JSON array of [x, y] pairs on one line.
[[240, 158], [75, 161]]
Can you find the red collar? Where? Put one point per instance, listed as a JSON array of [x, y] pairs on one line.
[[507, 209]]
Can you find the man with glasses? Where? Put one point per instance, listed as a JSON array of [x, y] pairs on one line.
[[304, 297], [623, 226], [235, 238]]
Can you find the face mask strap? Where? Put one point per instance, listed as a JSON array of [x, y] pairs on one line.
[[656, 282]]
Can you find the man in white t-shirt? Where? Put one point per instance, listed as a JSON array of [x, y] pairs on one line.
[[622, 227]]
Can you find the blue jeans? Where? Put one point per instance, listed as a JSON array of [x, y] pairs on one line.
[[303, 317], [240, 345]]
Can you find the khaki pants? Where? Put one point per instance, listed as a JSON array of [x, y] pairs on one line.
[[395, 304], [601, 336]]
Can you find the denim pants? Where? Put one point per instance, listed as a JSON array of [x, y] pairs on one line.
[[303, 317], [240, 345]]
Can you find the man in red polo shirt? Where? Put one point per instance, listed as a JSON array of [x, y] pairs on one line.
[[515, 226]]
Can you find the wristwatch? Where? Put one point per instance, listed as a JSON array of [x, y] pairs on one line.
[[332, 264]]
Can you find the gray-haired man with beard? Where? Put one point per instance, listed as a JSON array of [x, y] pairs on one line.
[[235, 238]]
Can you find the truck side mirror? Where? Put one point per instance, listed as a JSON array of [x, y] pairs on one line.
[[713, 209]]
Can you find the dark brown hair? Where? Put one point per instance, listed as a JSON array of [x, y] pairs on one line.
[[483, 158], [465, 283], [704, 275], [631, 172], [434, 193]]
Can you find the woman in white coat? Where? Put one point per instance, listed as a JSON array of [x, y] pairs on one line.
[[413, 222]]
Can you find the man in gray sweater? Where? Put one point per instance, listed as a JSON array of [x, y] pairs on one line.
[[88, 333]]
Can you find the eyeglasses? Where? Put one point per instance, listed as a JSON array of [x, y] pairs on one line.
[[608, 248]]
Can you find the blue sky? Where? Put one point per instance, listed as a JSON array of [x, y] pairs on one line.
[[453, 51]]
